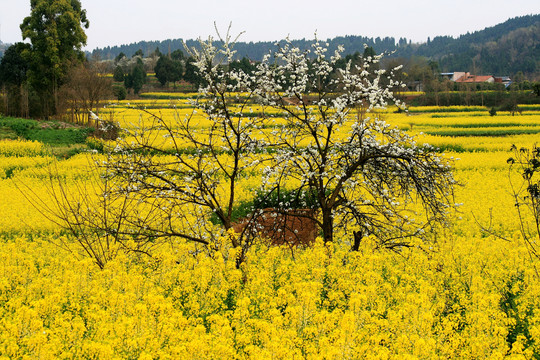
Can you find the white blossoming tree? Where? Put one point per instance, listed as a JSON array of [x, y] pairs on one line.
[[336, 149], [328, 150]]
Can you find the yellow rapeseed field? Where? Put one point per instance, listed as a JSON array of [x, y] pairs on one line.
[[468, 294]]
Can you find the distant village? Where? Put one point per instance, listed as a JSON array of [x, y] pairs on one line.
[[466, 77], [461, 77]]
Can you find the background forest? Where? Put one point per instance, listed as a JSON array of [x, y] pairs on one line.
[[504, 49]]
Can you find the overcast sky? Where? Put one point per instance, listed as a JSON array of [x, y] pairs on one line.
[[115, 22]]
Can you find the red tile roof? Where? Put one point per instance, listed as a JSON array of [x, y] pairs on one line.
[[474, 78]]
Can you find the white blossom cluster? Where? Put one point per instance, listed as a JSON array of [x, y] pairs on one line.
[[333, 145]]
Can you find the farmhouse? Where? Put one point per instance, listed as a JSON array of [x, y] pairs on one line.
[[466, 77]]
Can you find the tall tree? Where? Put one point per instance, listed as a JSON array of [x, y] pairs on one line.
[[118, 74], [55, 29], [13, 74], [136, 78], [168, 70]]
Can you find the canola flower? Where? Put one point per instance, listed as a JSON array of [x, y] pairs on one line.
[[323, 303], [21, 148], [467, 294]]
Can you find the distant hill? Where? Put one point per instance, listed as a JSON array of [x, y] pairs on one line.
[[503, 49], [253, 50]]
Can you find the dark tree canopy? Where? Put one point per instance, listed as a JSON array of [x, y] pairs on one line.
[[13, 77], [244, 65], [168, 70], [13, 66], [118, 74], [178, 55], [192, 74], [136, 78], [55, 29], [119, 57]]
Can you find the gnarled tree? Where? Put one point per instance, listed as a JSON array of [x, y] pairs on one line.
[[315, 135], [365, 174]]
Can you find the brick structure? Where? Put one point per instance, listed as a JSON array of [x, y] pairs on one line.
[[295, 227]]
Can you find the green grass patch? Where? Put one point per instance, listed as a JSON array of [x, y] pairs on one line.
[[47, 132], [62, 140], [21, 127], [6, 133]]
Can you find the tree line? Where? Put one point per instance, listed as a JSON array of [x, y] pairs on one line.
[[502, 50], [131, 74]]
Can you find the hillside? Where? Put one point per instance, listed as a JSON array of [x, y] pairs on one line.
[[503, 49]]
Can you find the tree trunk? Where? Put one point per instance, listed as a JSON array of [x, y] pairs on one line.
[[357, 239], [328, 225]]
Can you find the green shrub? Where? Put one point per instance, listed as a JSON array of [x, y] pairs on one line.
[[295, 199], [120, 92], [54, 133]]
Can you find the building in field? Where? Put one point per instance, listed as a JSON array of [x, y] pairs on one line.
[[467, 78], [473, 79]]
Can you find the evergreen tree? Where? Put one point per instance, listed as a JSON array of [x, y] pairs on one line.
[[191, 74], [136, 78], [118, 74], [168, 70], [55, 29], [13, 66]]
